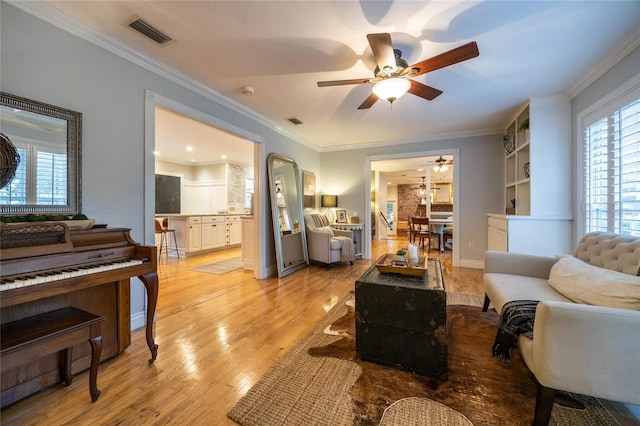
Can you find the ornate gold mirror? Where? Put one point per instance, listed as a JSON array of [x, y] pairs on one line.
[[46, 178], [443, 193]]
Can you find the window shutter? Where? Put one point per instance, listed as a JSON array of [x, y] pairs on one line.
[[611, 165]]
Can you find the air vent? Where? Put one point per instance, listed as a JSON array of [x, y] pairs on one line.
[[147, 30], [294, 120]]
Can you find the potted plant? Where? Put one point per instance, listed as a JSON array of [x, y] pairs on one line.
[[400, 256]]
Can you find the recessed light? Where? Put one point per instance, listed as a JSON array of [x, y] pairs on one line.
[[192, 160], [224, 157], [156, 152], [189, 148]]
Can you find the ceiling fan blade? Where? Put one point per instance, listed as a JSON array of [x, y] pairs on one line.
[[453, 56], [424, 91], [382, 50], [368, 103], [343, 82]]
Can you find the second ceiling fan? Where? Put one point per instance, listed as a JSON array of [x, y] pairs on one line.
[[392, 73]]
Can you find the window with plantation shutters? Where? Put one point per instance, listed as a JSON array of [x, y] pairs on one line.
[[611, 164], [51, 178], [46, 167]]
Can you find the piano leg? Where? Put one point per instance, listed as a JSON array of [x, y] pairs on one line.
[[96, 348], [150, 282]]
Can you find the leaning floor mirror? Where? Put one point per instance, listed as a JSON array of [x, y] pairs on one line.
[[286, 211]]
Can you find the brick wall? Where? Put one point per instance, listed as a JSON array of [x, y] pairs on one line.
[[409, 203]]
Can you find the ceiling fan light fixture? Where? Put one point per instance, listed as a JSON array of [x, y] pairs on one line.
[[392, 88], [441, 165]]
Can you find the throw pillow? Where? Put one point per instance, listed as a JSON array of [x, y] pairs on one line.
[[591, 285]]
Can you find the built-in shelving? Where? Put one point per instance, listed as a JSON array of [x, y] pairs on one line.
[[517, 184], [540, 221]]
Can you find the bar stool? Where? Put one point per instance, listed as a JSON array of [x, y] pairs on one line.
[[161, 228]]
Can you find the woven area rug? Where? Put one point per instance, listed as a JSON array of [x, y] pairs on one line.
[[319, 381], [221, 267]]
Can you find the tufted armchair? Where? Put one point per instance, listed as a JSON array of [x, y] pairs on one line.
[[325, 244]]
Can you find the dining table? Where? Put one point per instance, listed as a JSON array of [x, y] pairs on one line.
[[437, 227]]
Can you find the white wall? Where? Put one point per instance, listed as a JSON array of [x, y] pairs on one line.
[[480, 188]]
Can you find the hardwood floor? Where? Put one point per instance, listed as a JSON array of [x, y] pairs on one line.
[[218, 334]]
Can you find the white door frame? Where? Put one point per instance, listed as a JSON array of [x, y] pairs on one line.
[[152, 100], [456, 193]]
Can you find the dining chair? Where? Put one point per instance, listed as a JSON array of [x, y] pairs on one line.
[[420, 229], [163, 230]]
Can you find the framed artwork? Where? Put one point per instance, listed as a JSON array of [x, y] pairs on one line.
[[309, 190], [341, 216]]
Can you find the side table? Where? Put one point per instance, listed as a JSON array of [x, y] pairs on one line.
[[356, 234]]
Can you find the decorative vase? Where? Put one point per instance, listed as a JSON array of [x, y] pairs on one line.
[[526, 169], [509, 143]]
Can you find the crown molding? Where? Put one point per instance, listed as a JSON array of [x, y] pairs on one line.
[[407, 141], [54, 16], [628, 45]]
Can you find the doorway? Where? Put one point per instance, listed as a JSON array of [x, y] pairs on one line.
[[412, 164], [152, 101], [392, 218]]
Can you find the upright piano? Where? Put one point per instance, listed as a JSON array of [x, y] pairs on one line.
[[45, 266]]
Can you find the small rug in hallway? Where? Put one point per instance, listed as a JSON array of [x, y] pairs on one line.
[[319, 381], [221, 267]]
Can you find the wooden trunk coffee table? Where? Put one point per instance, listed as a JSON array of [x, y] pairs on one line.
[[401, 320]]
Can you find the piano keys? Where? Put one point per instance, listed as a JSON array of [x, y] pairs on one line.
[[44, 266]]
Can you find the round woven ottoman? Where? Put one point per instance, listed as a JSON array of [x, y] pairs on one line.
[[421, 411]]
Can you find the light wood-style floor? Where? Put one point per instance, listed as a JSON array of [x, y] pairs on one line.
[[218, 334]]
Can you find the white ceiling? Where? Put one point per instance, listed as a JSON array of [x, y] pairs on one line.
[[282, 48], [180, 139]]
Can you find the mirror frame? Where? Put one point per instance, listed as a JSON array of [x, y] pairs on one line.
[[439, 188], [286, 269], [74, 158]]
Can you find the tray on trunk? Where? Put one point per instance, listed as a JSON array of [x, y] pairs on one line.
[[387, 265]]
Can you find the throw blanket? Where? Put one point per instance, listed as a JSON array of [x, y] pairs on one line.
[[516, 318], [347, 249]]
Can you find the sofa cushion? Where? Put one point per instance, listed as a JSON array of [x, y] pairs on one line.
[[592, 285], [503, 288]]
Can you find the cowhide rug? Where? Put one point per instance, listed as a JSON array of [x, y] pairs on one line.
[[484, 389]]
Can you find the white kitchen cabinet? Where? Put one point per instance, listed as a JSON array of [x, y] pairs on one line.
[[195, 234], [234, 230], [248, 244], [201, 234], [213, 232]]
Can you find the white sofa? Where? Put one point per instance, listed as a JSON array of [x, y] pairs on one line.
[[576, 347]]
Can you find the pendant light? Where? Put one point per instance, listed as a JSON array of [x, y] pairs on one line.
[[423, 187]]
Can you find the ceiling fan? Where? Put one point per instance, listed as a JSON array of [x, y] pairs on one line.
[[442, 165], [392, 73]]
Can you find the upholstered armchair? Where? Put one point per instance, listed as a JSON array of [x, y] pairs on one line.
[[325, 244]]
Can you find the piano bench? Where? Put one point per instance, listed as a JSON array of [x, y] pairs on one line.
[[29, 339]]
